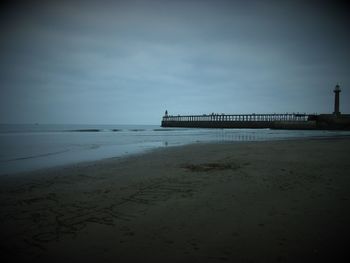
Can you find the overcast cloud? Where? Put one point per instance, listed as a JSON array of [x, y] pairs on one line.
[[126, 62]]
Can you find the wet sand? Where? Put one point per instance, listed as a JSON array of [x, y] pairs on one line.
[[282, 201]]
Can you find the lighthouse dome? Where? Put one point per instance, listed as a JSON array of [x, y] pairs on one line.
[[337, 88]]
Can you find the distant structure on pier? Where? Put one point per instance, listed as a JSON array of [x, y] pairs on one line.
[[336, 100], [296, 121]]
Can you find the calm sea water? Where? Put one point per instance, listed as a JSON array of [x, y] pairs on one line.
[[31, 147]]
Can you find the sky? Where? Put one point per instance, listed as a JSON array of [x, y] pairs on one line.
[[126, 62]]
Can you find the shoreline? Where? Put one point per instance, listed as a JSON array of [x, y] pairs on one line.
[[35, 152], [159, 148], [267, 201]]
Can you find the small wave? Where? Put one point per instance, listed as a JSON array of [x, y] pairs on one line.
[[85, 130], [94, 146], [34, 156], [116, 130], [162, 130], [171, 129], [137, 130]]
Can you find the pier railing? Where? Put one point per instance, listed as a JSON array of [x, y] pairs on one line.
[[292, 117]]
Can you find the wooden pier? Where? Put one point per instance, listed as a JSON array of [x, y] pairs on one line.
[[290, 121], [258, 121]]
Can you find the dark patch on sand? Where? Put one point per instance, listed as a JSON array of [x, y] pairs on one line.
[[207, 167]]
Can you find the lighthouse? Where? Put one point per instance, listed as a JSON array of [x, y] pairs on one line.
[[336, 100]]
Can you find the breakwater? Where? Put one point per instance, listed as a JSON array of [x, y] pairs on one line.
[[258, 121], [289, 121]]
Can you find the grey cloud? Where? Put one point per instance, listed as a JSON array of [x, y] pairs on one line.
[[141, 57]]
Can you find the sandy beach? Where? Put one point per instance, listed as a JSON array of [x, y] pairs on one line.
[[279, 201]]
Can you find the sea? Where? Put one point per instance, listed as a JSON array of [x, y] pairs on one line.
[[28, 147]]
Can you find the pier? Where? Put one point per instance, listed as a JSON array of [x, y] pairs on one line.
[[296, 121], [234, 120]]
